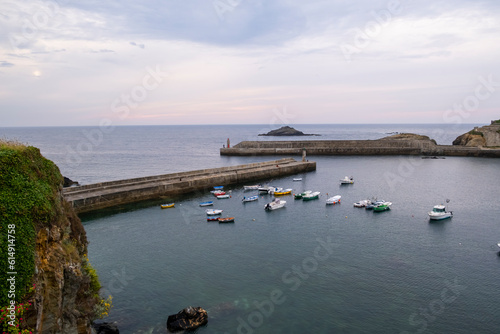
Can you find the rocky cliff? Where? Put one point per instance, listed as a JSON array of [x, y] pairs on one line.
[[487, 136], [44, 272]]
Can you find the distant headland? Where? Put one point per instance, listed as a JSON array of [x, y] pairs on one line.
[[286, 131]]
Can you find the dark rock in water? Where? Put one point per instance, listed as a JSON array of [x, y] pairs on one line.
[[286, 131], [106, 328], [188, 319], [68, 182]]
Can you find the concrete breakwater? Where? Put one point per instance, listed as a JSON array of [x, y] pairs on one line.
[[356, 147], [107, 194]]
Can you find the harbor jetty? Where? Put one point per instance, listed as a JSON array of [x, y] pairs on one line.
[[384, 146], [108, 194]]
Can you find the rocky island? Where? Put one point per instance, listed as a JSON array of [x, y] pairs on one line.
[[485, 136], [286, 131]]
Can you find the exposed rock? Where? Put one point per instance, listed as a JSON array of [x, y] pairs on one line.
[[406, 136], [286, 131], [188, 319], [470, 139], [69, 182], [63, 296], [488, 135], [106, 328]]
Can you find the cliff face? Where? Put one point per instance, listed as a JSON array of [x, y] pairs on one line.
[[50, 246], [488, 135]]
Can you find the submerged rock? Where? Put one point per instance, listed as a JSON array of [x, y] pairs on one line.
[[188, 319], [286, 131], [106, 328]]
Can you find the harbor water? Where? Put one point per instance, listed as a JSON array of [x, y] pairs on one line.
[[305, 268]]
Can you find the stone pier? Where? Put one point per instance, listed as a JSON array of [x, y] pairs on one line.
[[107, 194]]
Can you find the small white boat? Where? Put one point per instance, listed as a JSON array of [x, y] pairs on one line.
[[208, 203], [363, 203], [347, 180], [439, 212], [250, 199], [273, 190], [254, 187], [265, 189], [213, 212], [223, 196], [297, 179], [334, 200], [276, 204]]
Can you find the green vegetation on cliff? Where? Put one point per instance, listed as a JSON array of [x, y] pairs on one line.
[[27, 196], [42, 249]]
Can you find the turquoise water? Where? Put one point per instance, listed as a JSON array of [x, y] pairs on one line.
[[307, 268], [312, 268]]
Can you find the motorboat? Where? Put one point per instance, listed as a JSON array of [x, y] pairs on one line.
[[218, 193], [276, 204], [218, 187], [254, 187], [297, 179], [212, 218], [382, 207], [333, 200], [362, 204], [373, 204], [250, 199], [265, 189], [439, 212], [273, 190], [283, 192], [311, 196], [166, 206], [226, 220], [223, 196], [213, 212], [347, 180], [208, 203], [299, 196]]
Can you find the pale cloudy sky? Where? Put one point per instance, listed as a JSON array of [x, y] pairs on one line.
[[70, 62]]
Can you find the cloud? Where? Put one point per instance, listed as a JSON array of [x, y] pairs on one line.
[[138, 45], [5, 64]]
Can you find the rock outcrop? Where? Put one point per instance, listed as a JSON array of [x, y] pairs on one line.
[[55, 284], [188, 319], [286, 131], [486, 136], [407, 136]]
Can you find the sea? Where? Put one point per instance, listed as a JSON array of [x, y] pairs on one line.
[[308, 267]]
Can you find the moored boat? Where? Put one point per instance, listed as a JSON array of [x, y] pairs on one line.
[[311, 196], [439, 212], [254, 187], [265, 189], [223, 196], [373, 204], [276, 204], [333, 200], [212, 218], [347, 180], [299, 196], [166, 206], [226, 220], [382, 207], [208, 203], [362, 204], [213, 212], [219, 193], [218, 187], [283, 192], [250, 199], [297, 179]]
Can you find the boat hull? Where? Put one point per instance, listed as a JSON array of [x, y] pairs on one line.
[[447, 215], [166, 206]]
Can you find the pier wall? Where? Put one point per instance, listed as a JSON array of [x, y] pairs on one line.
[[107, 194], [356, 147]]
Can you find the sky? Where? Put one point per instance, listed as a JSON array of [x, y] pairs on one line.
[[70, 63]]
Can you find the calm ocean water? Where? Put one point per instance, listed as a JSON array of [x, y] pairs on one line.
[[307, 268]]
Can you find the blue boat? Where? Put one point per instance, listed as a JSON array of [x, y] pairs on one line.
[[208, 203], [219, 187], [250, 199]]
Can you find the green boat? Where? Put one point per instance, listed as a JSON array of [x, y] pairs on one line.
[[382, 207], [299, 196], [311, 196]]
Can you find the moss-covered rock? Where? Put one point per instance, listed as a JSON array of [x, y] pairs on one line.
[[47, 245]]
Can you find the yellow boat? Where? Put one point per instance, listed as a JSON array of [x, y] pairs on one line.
[[166, 206], [284, 192]]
